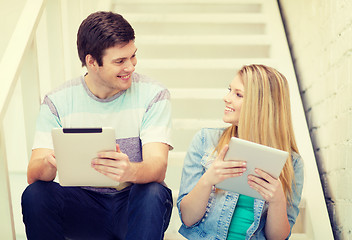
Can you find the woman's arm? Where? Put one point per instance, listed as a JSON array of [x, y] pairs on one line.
[[193, 205], [277, 225]]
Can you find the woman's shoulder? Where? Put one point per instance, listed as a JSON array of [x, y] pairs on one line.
[[297, 161], [210, 134]]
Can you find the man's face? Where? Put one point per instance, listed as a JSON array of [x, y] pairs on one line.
[[118, 65]]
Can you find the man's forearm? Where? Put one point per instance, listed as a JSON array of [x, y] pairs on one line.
[[40, 169], [148, 172]]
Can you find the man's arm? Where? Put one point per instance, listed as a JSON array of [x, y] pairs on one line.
[[42, 165], [117, 166]]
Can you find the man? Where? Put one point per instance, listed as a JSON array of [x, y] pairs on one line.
[[109, 95]]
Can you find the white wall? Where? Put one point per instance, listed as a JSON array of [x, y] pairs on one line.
[[320, 36]]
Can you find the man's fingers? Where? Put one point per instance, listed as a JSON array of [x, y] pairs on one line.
[[118, 148]]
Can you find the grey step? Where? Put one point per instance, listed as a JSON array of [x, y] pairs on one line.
[[192, 78], [198, 108], [192, 29], [186, 7], [201, 64], [196, 50], [199, 18], [199, 93], [215, 40]]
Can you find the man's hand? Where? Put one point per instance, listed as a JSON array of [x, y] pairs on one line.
[[42, 165], [115, 165]]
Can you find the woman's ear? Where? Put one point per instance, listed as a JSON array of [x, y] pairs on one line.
[[91, 62]]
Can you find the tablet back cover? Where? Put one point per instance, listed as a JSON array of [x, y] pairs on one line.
[[268, 159], [74, 151]]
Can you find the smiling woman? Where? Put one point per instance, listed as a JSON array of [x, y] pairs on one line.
[[233, 101], [258, 109]]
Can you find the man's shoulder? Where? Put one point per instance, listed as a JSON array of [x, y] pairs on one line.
[[146, 81], [66, 86]]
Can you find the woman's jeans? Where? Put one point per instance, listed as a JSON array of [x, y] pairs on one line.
[[141, 211]]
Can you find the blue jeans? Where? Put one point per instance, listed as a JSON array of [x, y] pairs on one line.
[[141, 211]]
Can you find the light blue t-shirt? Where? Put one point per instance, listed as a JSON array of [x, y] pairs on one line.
[[141, 114]]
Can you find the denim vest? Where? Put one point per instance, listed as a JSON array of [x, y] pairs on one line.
[[221, 205]]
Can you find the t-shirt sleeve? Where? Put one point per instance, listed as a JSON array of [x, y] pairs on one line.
[[156, 122], [48, 119]]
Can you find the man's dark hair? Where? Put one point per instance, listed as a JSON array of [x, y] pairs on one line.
[[102, 30]]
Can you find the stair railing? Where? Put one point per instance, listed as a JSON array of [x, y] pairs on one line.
[[19, 65]]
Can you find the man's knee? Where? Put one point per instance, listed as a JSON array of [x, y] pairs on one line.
[[152, 191], [38, 193]]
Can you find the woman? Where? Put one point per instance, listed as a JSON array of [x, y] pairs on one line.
[[258, 109]]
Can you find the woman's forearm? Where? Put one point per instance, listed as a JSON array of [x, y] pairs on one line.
[[277, 225], [193, 205]]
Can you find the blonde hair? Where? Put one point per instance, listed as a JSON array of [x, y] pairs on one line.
[[265, 116]]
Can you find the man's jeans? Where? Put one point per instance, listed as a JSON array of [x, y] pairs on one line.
[[141, 211]]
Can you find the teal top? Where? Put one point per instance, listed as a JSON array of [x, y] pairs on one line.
[[242, 218]]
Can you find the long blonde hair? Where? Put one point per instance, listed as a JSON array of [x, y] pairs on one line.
[[265, 116]]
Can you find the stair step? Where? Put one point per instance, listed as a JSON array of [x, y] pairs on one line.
[[196, 51], [214, 64], [188, 6], [199, 93], [185, 2], [204, 40], [192, 78], [223, 18], [193, 123]]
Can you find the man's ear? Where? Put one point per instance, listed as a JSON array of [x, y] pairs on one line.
[[91, 62]]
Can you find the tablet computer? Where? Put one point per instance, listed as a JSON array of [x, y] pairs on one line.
[[74, 150], [270, 160]]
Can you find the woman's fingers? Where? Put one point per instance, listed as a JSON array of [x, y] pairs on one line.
[[222, 153]]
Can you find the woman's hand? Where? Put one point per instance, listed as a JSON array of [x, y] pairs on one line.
[[267, 186], [221, 170]]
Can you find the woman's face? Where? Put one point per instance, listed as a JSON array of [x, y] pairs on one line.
[[233, 101]]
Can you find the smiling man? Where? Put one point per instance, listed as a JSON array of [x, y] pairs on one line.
[[110, 94]]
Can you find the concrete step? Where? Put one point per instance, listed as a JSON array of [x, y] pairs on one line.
[[200, 64], [167, 26], [205, 40], [216, 18], [197, 108], [199, 93], [192, 78], [188, 6], [185, 2], [196, 51]]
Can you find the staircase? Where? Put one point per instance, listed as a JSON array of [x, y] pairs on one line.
[[194, 47]]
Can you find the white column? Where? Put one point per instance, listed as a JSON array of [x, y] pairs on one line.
[[7, 230]]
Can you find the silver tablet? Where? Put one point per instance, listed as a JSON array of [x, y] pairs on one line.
[[74, 150], [268, 159]]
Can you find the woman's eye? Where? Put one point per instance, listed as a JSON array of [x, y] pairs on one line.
[[239, 95]]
